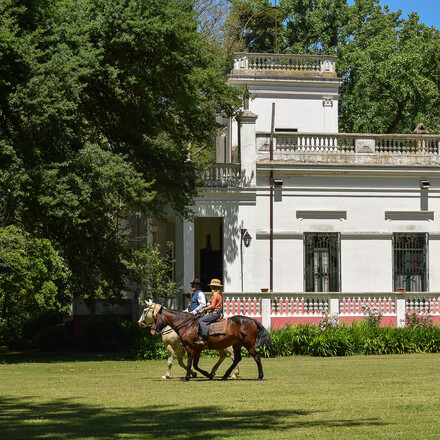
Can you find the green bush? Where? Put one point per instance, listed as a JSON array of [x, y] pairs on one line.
[[109, 333], [147, 346], [52, 338], [363, 337]]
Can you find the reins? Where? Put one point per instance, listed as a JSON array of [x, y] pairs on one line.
[[176, 329]]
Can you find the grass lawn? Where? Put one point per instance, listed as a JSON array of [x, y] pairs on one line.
[[358, 397]]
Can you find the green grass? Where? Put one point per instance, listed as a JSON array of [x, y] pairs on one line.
[[358, 397]]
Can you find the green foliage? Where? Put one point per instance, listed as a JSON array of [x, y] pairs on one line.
[[52, 338], [152, 272], [413, 320], [314, 340], [109, 333], [32, 276], [102, 103], [146, 346]]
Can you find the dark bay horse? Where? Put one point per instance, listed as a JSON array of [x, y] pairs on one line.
[[172, 343], [241, 331]]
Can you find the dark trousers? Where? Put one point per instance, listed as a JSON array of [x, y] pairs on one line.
[[205, 321]]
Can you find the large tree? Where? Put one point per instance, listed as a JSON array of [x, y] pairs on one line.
[[102, 106]]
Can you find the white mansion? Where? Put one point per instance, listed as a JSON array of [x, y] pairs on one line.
[[323, 222]]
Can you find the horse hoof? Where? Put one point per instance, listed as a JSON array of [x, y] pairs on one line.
[[225, 378], [165, 377], [184, 379], [193, 374]]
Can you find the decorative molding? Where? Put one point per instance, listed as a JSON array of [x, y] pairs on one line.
[[340, 215], [409, 215], [327, 102]]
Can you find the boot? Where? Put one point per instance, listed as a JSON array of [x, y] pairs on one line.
[[200, 341]]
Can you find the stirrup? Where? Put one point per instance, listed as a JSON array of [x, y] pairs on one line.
[[200, 341]]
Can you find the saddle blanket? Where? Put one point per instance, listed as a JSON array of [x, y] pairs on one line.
[[218, 327]]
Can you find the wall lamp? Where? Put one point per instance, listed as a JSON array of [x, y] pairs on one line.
[[246, 237], [277, 182], [424, 184]]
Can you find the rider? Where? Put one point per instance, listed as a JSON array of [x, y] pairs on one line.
[[198, 300], [214, 311]]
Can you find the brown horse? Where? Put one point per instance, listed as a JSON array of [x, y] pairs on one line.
[[241, 331], [172, 343]]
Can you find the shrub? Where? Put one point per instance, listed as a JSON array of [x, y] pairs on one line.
[[413, 320], [146, 346], [52, 338], [109, 333]]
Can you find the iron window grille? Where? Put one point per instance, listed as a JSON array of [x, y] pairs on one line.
[[322, 262], [410, 268]]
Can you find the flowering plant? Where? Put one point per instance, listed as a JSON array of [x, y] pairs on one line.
[[328, 322], [420, 319], [372, 314]]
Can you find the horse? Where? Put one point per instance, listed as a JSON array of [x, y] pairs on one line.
[[241, 331], [172, 343]]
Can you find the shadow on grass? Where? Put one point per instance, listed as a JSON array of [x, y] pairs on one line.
[[61, 419], [34, 356]]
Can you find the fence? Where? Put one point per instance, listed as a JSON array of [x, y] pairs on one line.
[[278, 309]]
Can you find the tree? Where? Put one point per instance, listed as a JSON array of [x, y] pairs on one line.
[[31, 272], [102, 102], [391, 80]]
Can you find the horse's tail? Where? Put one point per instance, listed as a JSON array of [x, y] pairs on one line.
[[263, 336]]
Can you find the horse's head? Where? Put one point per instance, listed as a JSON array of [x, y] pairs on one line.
[[149, 313], [159, 322]]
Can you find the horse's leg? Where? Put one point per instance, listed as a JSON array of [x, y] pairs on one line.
[[188, 366], [237, 359], [179, 353], [222, 354], [196, 366], [237, 370], [169, 362], [257, 359]]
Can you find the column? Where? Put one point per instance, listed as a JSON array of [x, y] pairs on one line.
[[248, 148], [184, 256]]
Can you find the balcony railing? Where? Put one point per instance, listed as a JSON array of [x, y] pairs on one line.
[[222, 175], [379, 149], [277, 309], [284, 62]]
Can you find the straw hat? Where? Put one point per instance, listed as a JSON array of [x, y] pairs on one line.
[[215, 283]]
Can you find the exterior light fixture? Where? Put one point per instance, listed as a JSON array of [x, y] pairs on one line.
[[424, 184], [277, 182], [246, 237]]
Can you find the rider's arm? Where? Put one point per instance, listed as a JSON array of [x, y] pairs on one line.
[[211, 306], [202, 302]]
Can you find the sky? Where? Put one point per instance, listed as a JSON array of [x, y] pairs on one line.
[[428, 10]]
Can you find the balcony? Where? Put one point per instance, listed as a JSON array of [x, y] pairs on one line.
[[336, 149], [222, 175], [264, 64], [351, 149]]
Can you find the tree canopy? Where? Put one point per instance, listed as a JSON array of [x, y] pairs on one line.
[[103, 104]]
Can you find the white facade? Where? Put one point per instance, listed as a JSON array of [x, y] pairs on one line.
[[362, 188]]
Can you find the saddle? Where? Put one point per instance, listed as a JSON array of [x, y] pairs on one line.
[[218, 327]]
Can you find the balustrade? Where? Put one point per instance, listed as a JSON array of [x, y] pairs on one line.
[[310, 307], [284, 62], [222, 175]]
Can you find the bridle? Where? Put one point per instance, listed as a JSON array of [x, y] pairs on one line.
[[162, 324]]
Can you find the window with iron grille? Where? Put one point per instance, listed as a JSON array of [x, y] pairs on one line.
[[410, 268], [322, 268]]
